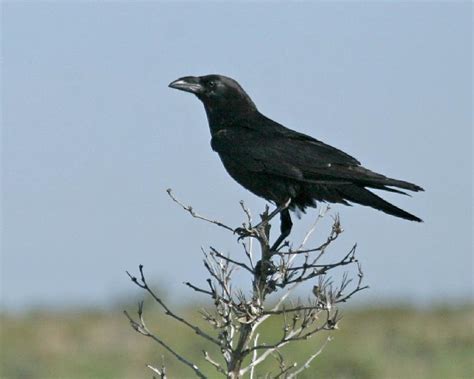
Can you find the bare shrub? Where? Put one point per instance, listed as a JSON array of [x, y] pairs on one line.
[[237, 314]]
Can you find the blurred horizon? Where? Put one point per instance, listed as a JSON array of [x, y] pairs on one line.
[[92, 137], [384, 343]]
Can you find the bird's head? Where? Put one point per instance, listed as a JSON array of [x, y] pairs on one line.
[[217, 92]]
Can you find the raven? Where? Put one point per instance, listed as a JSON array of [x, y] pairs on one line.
[[288, 168]]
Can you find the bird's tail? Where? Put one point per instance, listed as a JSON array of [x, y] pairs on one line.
[[393, 183], [363, 196]]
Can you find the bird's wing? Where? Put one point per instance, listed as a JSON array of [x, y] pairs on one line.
[[286, 153], [320, 162], [278, 150], [320, 151], [246, 149]]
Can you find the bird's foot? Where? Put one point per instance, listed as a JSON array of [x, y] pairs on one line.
[[245, 231]]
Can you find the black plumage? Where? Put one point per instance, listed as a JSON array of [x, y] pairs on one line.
[[280, 164]]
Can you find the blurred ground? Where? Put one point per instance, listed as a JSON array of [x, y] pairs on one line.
[[395, 342]]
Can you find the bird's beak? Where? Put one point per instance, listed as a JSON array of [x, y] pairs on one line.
[[188, 84]]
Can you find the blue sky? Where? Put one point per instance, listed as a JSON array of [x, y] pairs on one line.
[[92, 136]]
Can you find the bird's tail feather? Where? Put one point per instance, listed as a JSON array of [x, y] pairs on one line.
[[363, 196], [401, 184]]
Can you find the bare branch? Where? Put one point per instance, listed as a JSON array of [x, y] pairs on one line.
[[311, 230], [248, 248], [141, 328], [335, 232], [246, 211], [294, 335], [240, 264], [191, 211], [143, 284], [161, 373], [254, 357], [197, 289], [237, 314], [310, 359], [284, 370], [216, 365], [291, 310]]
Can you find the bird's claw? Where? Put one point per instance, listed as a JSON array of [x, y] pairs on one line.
[[244, 232]]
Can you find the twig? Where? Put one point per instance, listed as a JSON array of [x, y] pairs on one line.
[[310, 359], [358, 288], [168, 312], [197, 289], [311, 230], [248, 251], [240, 264], [141, 328], [291, 310], [254, 357], [294, 335], [216, 365], [191, 211], [284, 370], [161, 373], [246, 211]]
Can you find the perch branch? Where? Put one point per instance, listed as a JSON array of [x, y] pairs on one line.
[[191, 211]]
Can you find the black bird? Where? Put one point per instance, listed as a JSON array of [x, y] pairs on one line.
[[290, 169]]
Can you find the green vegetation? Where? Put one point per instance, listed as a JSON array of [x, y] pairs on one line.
[[371, 343]]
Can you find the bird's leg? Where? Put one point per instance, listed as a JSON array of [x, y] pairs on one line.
[[246, 232], [277, 210], [285, 228]]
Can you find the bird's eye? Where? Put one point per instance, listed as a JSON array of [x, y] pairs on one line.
[[211, 84]]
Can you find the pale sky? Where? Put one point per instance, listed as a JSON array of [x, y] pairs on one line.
[[92, 137]]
